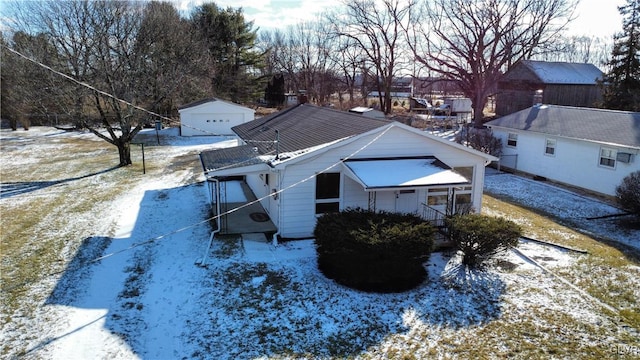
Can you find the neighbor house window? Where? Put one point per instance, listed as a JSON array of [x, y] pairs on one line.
[[327, 193], [512, 140], [550, 147], [608, 157]]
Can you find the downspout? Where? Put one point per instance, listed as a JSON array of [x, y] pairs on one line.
[[203, 263], [274, 240]]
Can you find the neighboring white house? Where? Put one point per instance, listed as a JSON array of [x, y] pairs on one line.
[[308, 160], [212, 117], [589, 148]]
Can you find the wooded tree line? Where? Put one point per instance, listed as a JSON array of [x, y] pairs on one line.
[[149, 55]]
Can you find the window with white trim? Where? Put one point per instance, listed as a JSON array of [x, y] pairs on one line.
[[608, 157], [550, 147], [327, 193], [512, 139]]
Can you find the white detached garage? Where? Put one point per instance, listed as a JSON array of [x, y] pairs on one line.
[[212, 117]]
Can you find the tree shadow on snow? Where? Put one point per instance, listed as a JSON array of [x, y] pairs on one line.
[[113, 273], [9, 189], [261, 310], [239, 308]]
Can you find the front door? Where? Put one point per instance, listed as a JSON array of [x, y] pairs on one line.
[[406, 201]]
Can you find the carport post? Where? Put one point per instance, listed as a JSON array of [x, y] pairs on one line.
[[144, 168], [158, 128]]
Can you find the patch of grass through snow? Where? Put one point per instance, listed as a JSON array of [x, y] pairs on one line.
[[606, 273], [45, 225]]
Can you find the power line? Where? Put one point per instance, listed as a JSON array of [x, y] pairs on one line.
[[310, 177], [70, 78], [164, 236], [93, 88]]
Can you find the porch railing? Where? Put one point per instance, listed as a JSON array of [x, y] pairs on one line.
[[436, 217]]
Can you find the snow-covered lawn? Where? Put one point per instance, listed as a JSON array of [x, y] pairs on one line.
[[129, 286], [582, 212]]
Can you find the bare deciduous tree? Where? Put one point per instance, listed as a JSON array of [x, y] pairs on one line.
[[302, 53], [349, 60], [474, 41], [579, 49], [377, 28], [112, 59]]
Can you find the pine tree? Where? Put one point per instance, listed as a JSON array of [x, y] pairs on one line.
[[622, 82], [230, 41]]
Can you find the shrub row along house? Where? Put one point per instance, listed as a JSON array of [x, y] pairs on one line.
[[589, 148], [308, 160]]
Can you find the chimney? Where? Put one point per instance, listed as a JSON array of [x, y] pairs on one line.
[[302, 96], [537, 97]]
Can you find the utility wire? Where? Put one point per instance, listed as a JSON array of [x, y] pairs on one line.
[[310, 177], [93, 88], [85, 84], [164, 236]]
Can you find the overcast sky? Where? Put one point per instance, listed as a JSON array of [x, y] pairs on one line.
[[593, 17]]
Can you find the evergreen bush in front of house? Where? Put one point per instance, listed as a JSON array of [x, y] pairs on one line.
[[480, 237], [373, 251], [628, 193]]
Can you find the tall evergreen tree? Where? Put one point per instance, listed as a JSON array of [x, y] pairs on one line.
[[622, 82], [229, 41]]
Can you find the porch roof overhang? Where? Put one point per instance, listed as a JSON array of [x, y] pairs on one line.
[[401, 173]]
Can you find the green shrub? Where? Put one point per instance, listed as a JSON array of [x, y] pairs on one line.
[[628, 193], [373, 251], [481, 237]]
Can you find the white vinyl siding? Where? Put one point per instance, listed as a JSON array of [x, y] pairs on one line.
[[575, 162], [298, 204], [213, 118]]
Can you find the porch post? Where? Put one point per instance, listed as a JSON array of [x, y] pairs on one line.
[[372, 201]]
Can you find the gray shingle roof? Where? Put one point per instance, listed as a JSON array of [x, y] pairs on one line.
[[304, 126], [564, 72], [599, 125], [227, 158]]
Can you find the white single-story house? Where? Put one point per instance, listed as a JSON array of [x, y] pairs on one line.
[[588, 148], [308, 160], [212, 117]]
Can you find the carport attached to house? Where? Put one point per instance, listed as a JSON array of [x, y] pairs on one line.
[[226, 168]]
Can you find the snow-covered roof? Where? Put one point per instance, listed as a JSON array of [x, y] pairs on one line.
[[389, 173], [211, 100], [422, 102], [597, 125], [564, 72], [360, 109]]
